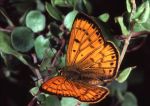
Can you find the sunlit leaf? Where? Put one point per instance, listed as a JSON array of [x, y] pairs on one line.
[[142, 26], [124, 74], [63, 3], [35, 20], [68, 21], [143, 13], [104, 17], [122, 25], [34, 91], [66, 101], [41, 44], [128, 6]]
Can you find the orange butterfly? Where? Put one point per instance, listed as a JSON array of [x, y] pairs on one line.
[[91, 62]]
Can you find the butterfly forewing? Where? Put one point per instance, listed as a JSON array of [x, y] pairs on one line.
[[89, 51], [85, 38]]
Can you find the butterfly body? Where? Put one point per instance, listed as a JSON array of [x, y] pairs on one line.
[[91, 62], [76, 74]]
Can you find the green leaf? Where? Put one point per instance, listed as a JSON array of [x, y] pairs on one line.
[[119, 95], [47, 59], [22, 39], [6, 47], [41, 44], [63, 3], [128, 5], [68, 21], [5, 44], [104, 17], [40, 5], [79, 6], [88, 6], [124, 74], [59, 2], [66, 101], [51, 101], [35, 20], [62, 61], [54, 12], [143, 13], [142, 26], [122, 26], [34, 91], [41, 97], [129, 100], [146, 14], [115, 87]]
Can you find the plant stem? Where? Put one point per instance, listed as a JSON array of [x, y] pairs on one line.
[[127, 41]]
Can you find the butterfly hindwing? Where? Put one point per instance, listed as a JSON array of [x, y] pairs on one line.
[[85, 93]]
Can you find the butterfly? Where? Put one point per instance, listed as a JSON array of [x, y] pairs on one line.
[[91, 62]]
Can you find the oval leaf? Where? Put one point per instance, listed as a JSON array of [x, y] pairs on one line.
[[129, 100], [104, 17], [53, 12], [6, 47], [51, 101], [41, 44], [34, 91], [68, 21], [124, 74], [22, 39], [35, 20], [66, 101]]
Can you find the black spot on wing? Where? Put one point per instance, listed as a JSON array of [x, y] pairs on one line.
[[76, 40]]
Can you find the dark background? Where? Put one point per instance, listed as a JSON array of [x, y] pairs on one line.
[[17, 94]]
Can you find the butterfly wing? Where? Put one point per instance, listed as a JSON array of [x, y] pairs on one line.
[[88, 50], [85, 93]]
